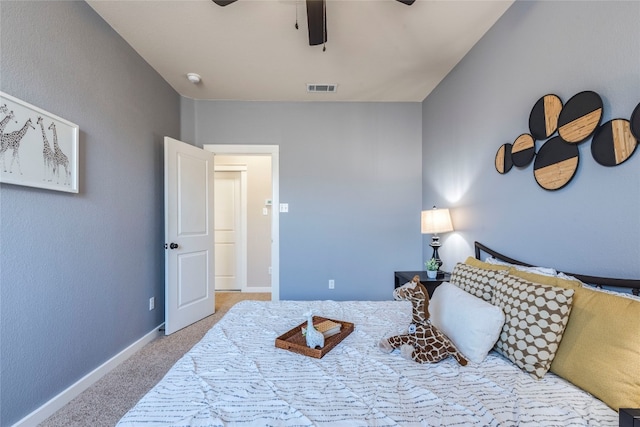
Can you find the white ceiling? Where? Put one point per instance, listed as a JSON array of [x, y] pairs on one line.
[[377, 50]]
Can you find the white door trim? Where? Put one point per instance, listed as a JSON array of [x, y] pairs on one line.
[[274, 152], [241, 241]]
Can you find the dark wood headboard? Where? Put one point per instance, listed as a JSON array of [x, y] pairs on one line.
[[633, 284]]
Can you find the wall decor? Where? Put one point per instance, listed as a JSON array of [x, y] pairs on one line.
[[556, 163], [613, 143], [580, 117], [523, 150], [557, 160], [543, 119], [635, 122], [503, 159], [38, 149]]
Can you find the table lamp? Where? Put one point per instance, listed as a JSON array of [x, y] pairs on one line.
[[436, 221]]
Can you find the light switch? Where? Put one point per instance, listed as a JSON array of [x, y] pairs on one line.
[[284, 207], [265, 211]]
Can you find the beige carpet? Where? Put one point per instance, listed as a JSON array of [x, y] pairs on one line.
[[105, 402]]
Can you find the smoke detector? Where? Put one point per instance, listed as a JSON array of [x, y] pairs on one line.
[[194, 78], [321, 88]]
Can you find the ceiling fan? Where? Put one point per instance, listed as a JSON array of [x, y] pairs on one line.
[[316, 18]]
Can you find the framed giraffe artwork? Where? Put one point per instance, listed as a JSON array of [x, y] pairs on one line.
[[38, 149]]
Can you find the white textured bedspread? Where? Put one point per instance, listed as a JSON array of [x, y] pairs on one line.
[[236, 376]]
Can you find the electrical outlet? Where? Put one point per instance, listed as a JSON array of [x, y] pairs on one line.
[[332, 283], [152, 303]]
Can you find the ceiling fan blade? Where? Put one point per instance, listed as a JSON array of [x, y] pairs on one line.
[[317, 22], [223, 2], [407, 2]]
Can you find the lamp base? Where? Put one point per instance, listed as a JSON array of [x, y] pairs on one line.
[[435, 244]]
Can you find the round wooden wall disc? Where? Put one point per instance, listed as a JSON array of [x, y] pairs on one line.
[[556, 163], [503, 159], [543, 120], [635, 122], [523, 150], [580, 117], [613, 143]]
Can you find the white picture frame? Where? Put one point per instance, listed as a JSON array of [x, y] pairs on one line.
[[38, 149]]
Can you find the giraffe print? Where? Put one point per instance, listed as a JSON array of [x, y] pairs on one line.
[[47, 153], [8, 117], [3, 124], [424, 343], [12, 140], [59, 158]]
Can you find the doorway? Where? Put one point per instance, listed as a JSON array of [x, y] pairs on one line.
[[230, 194], [262, 272]]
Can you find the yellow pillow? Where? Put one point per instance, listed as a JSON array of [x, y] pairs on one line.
[[545, 280], [600, 349], [479, 264]]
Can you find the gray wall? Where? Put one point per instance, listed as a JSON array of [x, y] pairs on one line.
[[593, 224], [77, 270], [351, 173]]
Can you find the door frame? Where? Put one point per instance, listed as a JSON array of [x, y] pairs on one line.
[[241, 241], [274, 152]]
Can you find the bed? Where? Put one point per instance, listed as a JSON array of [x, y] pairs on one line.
[[236, 376]]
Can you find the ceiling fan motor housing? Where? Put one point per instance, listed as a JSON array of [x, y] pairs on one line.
[[317, 22]]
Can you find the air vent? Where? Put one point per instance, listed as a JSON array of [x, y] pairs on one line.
[[324, 88]]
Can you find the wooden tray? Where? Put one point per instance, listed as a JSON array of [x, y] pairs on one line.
[[293, 340]]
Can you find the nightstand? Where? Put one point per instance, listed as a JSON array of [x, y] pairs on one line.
[[629, 417], [402, 277]]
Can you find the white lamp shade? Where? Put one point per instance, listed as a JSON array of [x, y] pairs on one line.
[[436, 221]]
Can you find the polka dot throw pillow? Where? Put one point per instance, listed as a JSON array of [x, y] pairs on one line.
[[535, 319], [479, 282]]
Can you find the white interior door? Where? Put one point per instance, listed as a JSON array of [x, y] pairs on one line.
[[230, 220], [189, 234]]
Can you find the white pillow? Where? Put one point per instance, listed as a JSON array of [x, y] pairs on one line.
[[545, 271], [471, 323]]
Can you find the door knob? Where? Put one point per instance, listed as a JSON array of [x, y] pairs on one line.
[[173, 246]]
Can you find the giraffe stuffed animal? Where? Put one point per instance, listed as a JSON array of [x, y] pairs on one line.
[[423, 343]]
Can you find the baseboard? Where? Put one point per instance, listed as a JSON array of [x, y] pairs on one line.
[[260, 289], [55, 404]]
